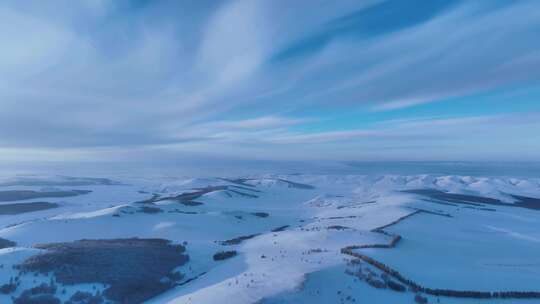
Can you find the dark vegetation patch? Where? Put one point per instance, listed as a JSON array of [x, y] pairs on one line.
[[290, 184], [245, 188], [316, 250], [11, 286], [296, 185], [239, 181], [127, 210], [527, 202], [419, 299], [182, 212], [17, 208], [242, 182], [191, 279], [17, 195], [133, 269], [223, 255], [238, 240], [261, 214], [190, 203], [338, 217], [150, 210], [454, 197], [337, 227], [6, 243], [243, 193], [41, 294], [281, 228], [82, 297], [188, 198], [184, 198], [477, 201], [36, 299], [439, 213], [395, 286], [375, 282], [151, 200], [356, 205]]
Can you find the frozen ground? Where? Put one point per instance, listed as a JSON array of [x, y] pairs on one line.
[[285, 235]]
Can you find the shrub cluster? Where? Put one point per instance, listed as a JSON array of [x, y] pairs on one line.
[[41, 294], [223, 255], [6, 243]]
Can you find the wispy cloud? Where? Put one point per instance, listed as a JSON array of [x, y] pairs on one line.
[[95, 75], [466, 50]]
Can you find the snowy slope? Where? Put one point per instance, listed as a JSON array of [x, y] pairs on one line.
[[288, 230]]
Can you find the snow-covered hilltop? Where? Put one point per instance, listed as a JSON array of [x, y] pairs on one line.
[[270, 239]]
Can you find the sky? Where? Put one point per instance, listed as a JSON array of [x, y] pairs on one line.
[[142, 81]]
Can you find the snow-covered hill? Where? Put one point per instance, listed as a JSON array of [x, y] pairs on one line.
[[271, 239]]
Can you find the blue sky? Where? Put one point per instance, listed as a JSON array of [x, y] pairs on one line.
[[97, 80]]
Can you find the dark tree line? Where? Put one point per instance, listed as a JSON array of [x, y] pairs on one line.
[[349, 250]]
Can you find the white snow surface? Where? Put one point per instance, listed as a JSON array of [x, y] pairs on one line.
[[277, 266]]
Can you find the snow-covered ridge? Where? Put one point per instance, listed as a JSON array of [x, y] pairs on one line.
[[296, 223]]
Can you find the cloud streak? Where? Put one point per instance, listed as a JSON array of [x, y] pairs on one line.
[[81, 78]]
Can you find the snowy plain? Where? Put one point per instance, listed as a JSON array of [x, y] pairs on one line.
[[295, 228]]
